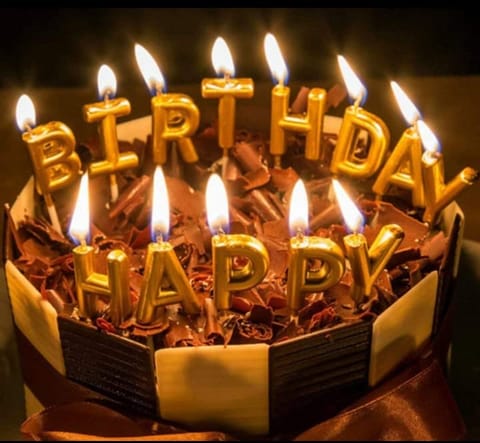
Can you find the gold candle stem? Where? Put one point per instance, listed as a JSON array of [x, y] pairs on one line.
[[119, 289], [280, 97], [226, 122], [83, 268], [356, 250]]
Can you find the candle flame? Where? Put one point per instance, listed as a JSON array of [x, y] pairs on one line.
[[107, 82], [429, 140], [355, 88], [80, 223], [222, 58], [351, 215], [160, 206], [298, 214], [408, 109], [149, 69], [25, 113], [275, 60], [217, 204]]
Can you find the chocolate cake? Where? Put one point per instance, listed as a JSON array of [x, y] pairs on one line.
[[252, 369]]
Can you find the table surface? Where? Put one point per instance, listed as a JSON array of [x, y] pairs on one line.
[[448, 105]]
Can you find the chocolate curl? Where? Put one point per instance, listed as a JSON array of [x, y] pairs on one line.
[[180, 335], [261, 314], [194, 236], [263, 205], [213, 330], [331, 214], [251, 180], [247, 331], [247, 156], [283, 179], [323, 319], [190, 202], [239, 217], [403, 255], [54, 299], [336, 94], [39, 238], [241, 304], [132, 198], [434, 246], [299, 104]]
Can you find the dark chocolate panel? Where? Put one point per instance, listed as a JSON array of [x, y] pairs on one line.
[[313, 376], [117, 367], [446, 282]]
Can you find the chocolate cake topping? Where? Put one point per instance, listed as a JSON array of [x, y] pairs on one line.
[[258, 199]]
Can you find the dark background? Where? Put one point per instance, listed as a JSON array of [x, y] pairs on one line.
[[65, 46]]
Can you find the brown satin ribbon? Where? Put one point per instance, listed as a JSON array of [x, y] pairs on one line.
[[419, 408], [414, 404]]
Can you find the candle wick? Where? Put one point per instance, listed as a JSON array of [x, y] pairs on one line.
[[300, 234], [106, 96], [415, 125], [27, 127], [83, 242], [159, 237], [357, 102]]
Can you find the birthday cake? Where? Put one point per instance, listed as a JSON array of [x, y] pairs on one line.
[[273, 359]]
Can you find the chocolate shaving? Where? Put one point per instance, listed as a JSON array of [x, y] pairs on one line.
[[247, 157], [213, 330], [180, 335]]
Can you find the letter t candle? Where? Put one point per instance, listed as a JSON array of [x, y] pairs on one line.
[[366, 263], [226, 89]]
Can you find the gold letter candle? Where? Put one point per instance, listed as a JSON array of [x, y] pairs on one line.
[[226, 89], [366, 263], [114, 285], [106, 112], [175, 117], [358, 122], [229, 251], [311, 124], [404, 166], [303, 248], [164, 280], [437, 193], [51, 148]]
